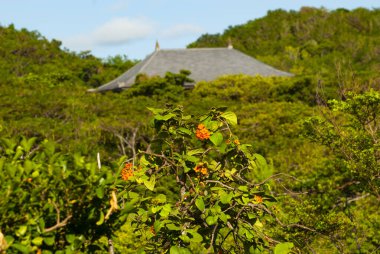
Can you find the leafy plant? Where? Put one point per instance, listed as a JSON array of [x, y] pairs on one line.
[[218, 205]]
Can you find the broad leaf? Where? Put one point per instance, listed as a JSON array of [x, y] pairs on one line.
[[216, 138], [200, 204], [230, 117], [283, 248], [151, 183]]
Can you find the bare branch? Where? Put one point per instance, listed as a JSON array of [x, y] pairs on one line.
[[220, 183], [59, 223]]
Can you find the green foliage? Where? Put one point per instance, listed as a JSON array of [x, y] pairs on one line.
[[326, 181], [53, 201], [27, 54], [169, 88], [217, 204], [353, 138], [310, 41]]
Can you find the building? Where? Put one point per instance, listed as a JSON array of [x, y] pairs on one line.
[[205, 64]]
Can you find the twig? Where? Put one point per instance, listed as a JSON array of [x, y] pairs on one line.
[[220, 183], [212, 238], [59, 223]]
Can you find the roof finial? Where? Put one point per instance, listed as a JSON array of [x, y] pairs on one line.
[[157, 46], [230, 43]]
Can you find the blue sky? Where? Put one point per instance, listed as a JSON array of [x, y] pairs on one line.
[[131, 27]]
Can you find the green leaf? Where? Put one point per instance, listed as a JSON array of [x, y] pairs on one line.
[[70, 238], [21, 248], [21, 231], [151, 183], [200, 204], [155, 209], [156, 110], [9, 240], [223, 217], [179, 250], [27, 143], [164, 117], [211, 220], [37, 241], [283, 248], [225, 198], [185, 238], [182, 130], [49, 240], [159, 199], [195, 151], [101, 219], [166, 209], [230, 117], [245, 200], [197, 238], [243, 188], [261, 162], [171, 226], [212, 125], [100, 192], [216, 138]]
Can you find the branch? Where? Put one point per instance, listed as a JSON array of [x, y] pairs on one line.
[[220, 183], [59, 223], [212, 238]]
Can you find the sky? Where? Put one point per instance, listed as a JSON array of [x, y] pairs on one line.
[[132, 27]]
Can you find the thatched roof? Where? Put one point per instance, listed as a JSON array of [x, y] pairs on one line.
[[205, 64]]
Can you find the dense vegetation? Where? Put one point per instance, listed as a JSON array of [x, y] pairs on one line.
[[172, 185]]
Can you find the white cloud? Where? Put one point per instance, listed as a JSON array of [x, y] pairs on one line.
[[122, 30], [181, 30], [118, 31]]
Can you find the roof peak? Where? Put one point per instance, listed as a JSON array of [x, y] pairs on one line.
[[157, 47]]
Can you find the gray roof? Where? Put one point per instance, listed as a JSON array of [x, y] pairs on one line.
[[203, 63]]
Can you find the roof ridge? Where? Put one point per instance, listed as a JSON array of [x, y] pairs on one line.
[[149, 60], [193, 49]]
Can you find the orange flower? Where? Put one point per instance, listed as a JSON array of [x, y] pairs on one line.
[[198, 168], [127, 171], [201, 126], [258, 199], [128, 165], [236, 142], [202, 133]]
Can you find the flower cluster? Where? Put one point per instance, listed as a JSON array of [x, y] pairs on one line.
[[200, 168], [236, 142], [127, 171], [202, 133], [258, 199]]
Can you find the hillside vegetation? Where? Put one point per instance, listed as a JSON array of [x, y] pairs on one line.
[[183, 171], [339, 45]]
